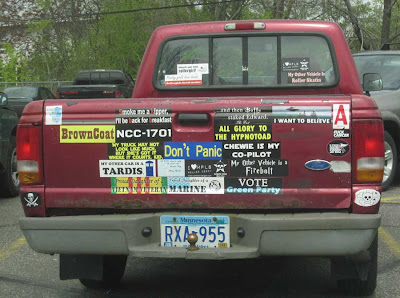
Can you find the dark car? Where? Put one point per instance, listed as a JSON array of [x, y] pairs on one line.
[[9, 182], [98, 83], [19, 97], [387, 64]]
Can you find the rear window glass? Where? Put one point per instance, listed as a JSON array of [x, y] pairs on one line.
[[262, 61], [21, 92]]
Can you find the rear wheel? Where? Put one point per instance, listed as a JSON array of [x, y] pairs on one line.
[[113, 271], [390, 167], [10, 182], [356, 285]]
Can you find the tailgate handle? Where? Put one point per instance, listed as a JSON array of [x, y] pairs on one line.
[[198, 118]]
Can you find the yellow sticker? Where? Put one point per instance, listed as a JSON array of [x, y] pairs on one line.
[[87, 134], [138, 185]]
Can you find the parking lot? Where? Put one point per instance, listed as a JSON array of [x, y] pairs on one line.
[[24, 273]]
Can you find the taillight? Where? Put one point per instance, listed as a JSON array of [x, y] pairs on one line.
[[244, 26], [117, 93], [368, 151], [29, 154]]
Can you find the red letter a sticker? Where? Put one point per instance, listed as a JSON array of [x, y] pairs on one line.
[[341, 114]]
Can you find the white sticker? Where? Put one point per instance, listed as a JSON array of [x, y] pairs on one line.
[[192, 68], [367, 197], [193, 79], [127, 168], [341, 116], [53, 115], [171, 167], [340, 166], [196, 185]]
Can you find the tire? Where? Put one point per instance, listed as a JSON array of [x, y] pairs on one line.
[[10, 183], [358, 287], [391, 160], [113, 271]]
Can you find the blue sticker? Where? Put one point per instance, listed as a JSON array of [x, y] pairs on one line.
[[192, 150], [317, 165]]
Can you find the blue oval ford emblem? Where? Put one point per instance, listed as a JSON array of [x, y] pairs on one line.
[[317, 165]]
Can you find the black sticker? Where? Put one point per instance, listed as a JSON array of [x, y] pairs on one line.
[[245, 150], [142, 150], [31, 199], [341, 133], [243, 124], [206, 168], [144, 112], [259, 168], [338, 148], [253, 185], [295, 64]]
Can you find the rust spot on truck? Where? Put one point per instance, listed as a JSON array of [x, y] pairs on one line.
[[198, 204], [232, 206], [130, 205], [284, 204]]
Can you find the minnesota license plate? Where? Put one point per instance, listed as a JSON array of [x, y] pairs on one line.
[[211, 230]]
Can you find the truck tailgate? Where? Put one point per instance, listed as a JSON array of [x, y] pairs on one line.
[[197, 153]]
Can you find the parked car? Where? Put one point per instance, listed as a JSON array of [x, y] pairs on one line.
[[387, 64], [98, 83], [9, 182], [19, 97]]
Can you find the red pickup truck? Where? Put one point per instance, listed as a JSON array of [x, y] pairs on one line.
[[242, 139]]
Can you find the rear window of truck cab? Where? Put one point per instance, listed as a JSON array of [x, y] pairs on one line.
[[246, 61]]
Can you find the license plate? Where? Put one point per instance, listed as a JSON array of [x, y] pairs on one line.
[[211, 230]]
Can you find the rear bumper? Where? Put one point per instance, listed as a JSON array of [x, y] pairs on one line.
[[305, 234]]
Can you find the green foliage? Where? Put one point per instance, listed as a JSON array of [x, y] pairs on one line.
[[14, 67], [65, 45]]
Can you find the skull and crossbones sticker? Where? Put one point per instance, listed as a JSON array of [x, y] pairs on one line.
[[32, 199]]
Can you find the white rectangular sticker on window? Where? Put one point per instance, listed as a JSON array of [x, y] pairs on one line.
[[53, 115], [194, 79], [192, 68]]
